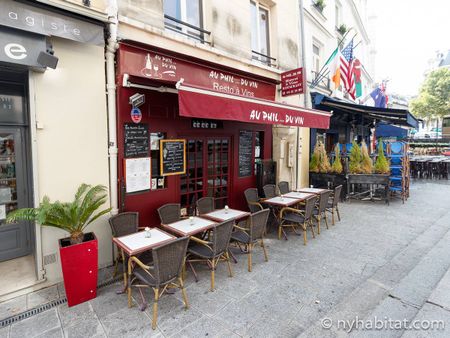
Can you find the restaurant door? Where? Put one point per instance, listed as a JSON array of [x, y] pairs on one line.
[[207, 172]]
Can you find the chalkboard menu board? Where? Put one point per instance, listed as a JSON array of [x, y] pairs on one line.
[[136, 140], [245, 153], [173, 157]]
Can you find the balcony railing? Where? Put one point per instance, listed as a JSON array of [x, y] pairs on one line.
[[268, 60], [321, 80], [186, 29]]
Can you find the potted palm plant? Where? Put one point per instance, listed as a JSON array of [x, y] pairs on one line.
[[79, 251]]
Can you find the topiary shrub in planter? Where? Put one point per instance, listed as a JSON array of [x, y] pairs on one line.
[[324, 162], [381, 164], [314, 163], [354, 164], [337, 164], [366, 161]]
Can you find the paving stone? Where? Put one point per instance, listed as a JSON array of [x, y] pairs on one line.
[[13, 306], [108, 301], [87, 328], [172, 315], [426, 316], [72, 315], [205, 326], [388, 309], [416, 287], [441, 294], [53, 333], [129, 323], [4, 332], [268, 326], [35, 325], [61, 289], [239, 315], [43, 296]]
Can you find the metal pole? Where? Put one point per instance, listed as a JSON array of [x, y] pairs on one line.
[[305, 87]]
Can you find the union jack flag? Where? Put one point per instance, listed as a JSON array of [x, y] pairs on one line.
[[347, 76]]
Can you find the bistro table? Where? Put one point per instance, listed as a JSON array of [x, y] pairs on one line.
[[221, 215], [189, 226], [299, 195], [280, 202], [137, 243], [316, 191]]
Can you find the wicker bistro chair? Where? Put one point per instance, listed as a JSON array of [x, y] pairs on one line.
[[214, 250], [291, 217], [164, 273], [205, 205], [169, 213], [320, 210], [333, 201], [123, 224], [252, 198], [270, 190], [283, 186], [252, 234]]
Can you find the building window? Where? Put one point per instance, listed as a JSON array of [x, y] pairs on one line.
[[260, 33], [185, 17], [316, 57], [338, 15]]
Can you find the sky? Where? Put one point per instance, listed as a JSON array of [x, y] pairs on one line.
[[408, 33]]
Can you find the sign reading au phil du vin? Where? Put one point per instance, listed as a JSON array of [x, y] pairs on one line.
[[292, 82]]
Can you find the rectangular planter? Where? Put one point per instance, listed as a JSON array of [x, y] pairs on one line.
[[79, 266], [329, 181], [368, 179]]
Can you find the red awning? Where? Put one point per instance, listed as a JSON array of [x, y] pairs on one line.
[[203, 103]]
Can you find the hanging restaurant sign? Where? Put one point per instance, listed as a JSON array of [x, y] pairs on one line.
[[164, 67], [202, 103], [292, 82]]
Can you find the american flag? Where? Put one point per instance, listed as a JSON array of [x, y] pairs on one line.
[[347, 69]]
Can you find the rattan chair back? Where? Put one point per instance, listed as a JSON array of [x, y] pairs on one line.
[[309, 207], [221, 235], [283, 186], [270, 190], [251, 196], [323, 201], [205, 205], [337, 195], [168, 260], [125, 223], [258, 223], [169, 213]]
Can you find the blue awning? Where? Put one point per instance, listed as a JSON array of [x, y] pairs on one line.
[[400, 117], [387, 130]]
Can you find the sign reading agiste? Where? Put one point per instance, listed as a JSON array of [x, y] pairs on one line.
[[292, 82]]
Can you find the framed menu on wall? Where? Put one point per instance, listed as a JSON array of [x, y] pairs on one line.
[[173, 157], [137, 174]]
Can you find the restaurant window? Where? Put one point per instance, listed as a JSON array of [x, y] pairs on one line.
[[158, 181], [260, 33], [185, 17], [259, 142]]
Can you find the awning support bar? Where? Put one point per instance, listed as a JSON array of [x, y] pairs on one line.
[[162, 89]]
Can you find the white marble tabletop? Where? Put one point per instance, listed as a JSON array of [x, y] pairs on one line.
[[226, 214], [190, 226], [282, 201], [139, 242], [312, 190], [299, 195]]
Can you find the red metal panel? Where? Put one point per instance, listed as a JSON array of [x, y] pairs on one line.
[[79, 265]]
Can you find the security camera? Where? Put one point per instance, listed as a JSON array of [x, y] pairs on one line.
[[137, 100]]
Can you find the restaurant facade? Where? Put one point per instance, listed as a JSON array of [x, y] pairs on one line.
[[199, 128]]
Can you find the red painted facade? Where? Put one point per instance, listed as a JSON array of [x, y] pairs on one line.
[[160, 112]]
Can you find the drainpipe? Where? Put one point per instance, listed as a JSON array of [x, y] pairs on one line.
[[305, 89], [111, 48]]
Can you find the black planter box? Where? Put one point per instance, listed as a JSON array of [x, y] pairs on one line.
[[329, 181], [367, 180]]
